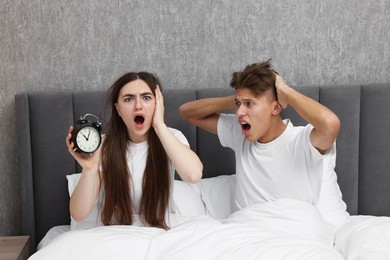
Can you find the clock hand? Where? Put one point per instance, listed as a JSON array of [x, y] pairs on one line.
[[86, 138], [89, 134]]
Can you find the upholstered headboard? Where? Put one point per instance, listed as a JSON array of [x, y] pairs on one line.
[[43, 120]]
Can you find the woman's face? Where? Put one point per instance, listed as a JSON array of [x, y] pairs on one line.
[[136, 105]]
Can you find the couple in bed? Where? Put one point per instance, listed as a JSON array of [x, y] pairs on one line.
[[136, 162]]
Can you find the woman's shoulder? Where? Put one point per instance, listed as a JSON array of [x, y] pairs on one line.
[[174, 130], [179, 135]]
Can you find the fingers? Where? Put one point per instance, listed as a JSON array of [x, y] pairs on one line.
[[158, 117], [69, 143], [159, 96], [69, 136], [281, 87], [280, 82]]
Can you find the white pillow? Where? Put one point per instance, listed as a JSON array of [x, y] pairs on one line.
[[93, 219], [187, 200], [218, 195], [330, 204], [73, 179]]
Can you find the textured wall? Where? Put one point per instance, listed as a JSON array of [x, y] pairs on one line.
[[67, 44]]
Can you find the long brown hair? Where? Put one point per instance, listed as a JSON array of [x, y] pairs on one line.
[[116, 177]]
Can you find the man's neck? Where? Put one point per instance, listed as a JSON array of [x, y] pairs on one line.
[[276, 129]]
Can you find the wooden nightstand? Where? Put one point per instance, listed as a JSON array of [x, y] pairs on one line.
[[14, 248]]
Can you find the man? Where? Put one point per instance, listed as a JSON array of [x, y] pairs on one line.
[[274, 159]]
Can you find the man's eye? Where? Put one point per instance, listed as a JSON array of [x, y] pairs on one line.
[[249, 104], [237, 103]]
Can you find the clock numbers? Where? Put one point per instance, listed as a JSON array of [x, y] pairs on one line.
[[88, 139]]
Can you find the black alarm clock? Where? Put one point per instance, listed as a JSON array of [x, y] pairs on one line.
[[86, 134]]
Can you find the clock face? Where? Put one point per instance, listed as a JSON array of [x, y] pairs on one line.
[[88, 139]]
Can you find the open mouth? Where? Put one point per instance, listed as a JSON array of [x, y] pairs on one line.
[[139, 121], [245, 128]]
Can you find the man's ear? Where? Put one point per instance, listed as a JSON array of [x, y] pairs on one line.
[[277, 108]]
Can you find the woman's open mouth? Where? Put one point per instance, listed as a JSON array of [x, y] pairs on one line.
[[139, 121]]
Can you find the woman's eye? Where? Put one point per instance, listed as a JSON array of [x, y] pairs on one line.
[[128, 99], [237, 103], [147, 98]]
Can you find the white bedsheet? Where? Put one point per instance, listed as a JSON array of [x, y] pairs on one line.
[[284, 229], [364, 238]]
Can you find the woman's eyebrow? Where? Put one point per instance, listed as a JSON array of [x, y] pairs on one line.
[[133, 95], [146, 94]]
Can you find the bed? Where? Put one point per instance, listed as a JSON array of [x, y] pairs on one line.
[[351, 220]]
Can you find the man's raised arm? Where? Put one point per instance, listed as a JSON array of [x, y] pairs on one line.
[[204, 113], [326, 123]]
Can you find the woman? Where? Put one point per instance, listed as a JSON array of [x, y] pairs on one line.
[[136, 162]]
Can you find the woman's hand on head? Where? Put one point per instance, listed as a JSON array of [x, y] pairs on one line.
[[86, 160], [158, 117]]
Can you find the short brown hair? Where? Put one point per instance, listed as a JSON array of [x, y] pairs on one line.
[[258, 77]]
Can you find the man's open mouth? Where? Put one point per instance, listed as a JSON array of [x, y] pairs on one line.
[[139, 121], [245, 129], [246, 126]]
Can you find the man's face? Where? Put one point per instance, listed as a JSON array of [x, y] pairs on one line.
[[255, 113]]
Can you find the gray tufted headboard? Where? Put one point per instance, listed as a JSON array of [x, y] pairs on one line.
[[43, 119]]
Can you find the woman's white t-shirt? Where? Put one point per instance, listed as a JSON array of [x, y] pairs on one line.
[[137, 154]]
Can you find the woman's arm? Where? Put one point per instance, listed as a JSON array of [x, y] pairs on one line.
[[186, 162], [85, 194]]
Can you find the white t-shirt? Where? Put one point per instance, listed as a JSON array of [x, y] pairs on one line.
[[287, 167], [137, 154]]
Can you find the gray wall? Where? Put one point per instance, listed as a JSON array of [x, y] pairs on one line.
[[66, 44]]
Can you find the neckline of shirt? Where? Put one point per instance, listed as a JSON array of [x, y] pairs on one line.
[[279, 139]]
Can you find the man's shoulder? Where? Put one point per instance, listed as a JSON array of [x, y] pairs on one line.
[[297, 128], [226, 116]]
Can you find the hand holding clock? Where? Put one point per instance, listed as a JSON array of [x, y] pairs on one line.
[[86, 160]]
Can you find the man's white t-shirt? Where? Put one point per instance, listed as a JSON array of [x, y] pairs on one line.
[[287, 167]]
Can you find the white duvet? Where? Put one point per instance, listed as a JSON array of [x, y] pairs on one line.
[[364, 238], [284, 229], [205, 228]]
